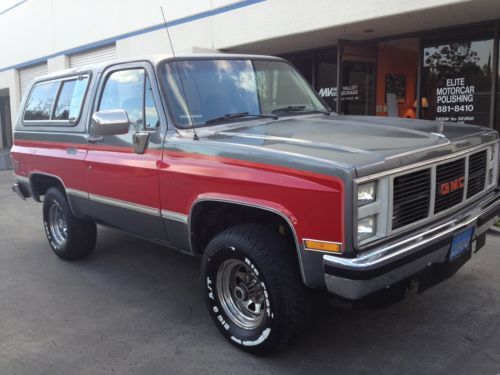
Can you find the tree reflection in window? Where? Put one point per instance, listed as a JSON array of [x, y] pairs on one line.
[[457, 81], [39, 105]]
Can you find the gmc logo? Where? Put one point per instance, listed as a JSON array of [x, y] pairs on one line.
[[450, 186]]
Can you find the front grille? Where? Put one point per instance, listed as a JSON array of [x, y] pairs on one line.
[[477, 173], [449, 184], [412, 192], [411, 198]]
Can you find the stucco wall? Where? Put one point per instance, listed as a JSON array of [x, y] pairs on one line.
[[37, 30]]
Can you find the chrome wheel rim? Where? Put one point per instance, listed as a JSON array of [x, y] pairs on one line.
[[57, 224], [241, 294]]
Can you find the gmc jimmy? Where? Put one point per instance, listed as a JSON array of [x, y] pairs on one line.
[[235, 158]]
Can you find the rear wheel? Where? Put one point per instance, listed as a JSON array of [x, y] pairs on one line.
[[253, 288], [69, 237]]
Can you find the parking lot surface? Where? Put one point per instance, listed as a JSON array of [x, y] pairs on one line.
[[136, 308]]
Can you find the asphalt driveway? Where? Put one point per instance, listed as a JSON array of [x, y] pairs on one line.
[[135, 307]]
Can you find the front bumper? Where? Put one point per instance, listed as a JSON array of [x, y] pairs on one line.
[[389, 264]]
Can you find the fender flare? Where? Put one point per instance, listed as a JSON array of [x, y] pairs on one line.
[[264, 205], [36, 197]]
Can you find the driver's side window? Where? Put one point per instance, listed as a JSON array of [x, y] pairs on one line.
[[130, 90]]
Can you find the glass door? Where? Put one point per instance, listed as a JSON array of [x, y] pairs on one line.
[[357, 94]]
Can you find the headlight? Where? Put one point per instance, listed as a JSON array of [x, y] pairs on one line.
[[367, 227], [367, 193]]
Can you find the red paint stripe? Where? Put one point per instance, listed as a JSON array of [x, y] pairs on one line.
[[255, 165], [170, 157], [220, 159]]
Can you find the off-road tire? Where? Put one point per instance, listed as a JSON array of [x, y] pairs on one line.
[[287, 302], [80, 234]]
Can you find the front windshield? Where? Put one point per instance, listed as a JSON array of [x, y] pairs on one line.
[[217, 88]]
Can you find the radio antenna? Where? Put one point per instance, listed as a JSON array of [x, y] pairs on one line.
[[195, 136]]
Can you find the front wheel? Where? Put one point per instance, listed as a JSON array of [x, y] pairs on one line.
[[253, 288], [69, 237]]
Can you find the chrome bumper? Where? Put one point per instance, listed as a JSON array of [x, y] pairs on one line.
[[379, 268]]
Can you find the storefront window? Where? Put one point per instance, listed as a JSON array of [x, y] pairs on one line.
[[326, 77], [397, 66], [456, 81], [304, 64], [320, 69], [496, 125]]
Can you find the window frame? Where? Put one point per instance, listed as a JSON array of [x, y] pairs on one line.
[[60, 80], [146, 80]]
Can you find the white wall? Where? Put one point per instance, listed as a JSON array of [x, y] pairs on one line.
[[39, 28], [52, 26], [47, 27]]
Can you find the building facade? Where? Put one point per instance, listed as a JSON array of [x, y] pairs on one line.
[[433, 59]]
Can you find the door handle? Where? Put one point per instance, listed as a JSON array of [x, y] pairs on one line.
[[91, 139]]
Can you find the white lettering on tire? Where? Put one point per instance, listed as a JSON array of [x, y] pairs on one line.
[[264, 335], [211, 293]]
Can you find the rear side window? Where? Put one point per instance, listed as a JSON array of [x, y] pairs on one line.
[[56, 101], [39, 105], [70, 99]]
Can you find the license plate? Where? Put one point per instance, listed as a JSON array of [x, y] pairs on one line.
[[460, 243]]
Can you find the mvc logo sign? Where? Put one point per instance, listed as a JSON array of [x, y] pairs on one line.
[[327, 92], [450, 186]]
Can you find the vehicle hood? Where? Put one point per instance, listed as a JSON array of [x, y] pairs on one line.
[[368, 144]]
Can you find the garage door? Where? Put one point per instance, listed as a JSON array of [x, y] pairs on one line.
[[91, 57], [27, 75]]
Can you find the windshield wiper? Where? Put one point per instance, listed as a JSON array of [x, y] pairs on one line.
[[231, 116], [296, 108]]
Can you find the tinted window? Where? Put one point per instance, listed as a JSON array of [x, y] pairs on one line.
[[358, 88], [326, 77], [304, 64], [151, 114], [70, 99], [124, 89], [39, 104]]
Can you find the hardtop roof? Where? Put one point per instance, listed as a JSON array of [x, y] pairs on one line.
[[153, 59]]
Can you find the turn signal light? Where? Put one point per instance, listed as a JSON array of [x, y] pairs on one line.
[[331, 247]]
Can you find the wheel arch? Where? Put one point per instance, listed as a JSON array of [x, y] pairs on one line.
[[245, 209], [40, 182]]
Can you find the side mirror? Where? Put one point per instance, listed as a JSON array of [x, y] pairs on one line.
[[111, 122]]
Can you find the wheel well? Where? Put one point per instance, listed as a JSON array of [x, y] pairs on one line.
[[210, 218], [40, 183]]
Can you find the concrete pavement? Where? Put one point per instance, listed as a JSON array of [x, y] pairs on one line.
[[136, 308]]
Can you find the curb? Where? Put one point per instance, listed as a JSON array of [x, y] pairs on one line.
[[495, 229]]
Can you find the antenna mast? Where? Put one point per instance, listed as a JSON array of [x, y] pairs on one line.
[[195, 136]]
